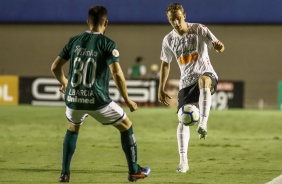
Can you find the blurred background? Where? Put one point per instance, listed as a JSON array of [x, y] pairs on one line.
[[32, 33]]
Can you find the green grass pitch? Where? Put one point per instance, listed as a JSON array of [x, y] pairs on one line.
[[242, 147]]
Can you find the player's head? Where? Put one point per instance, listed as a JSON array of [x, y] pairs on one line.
[[176, 16], [138, 59], [97, 17]]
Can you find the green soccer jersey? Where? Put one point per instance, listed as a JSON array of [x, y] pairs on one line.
[[88, 79], [135, 73]]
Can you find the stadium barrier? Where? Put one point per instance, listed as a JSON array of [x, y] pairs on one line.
[[44, 91]]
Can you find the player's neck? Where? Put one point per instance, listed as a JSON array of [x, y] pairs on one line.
[[184, 30], [96, 30]]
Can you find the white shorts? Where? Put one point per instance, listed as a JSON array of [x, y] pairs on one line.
[[109, 115]]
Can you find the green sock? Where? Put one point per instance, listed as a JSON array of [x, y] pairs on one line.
[[129, 147], [68, 150]]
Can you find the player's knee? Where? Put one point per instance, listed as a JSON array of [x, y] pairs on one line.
[[73, 128], [205, 82], [124, 125]]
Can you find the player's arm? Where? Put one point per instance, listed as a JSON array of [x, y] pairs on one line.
[[119, 79], [164, 72], [208, 35], [57, 70]]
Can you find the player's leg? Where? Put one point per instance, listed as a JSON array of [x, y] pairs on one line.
[[207, 83], [69, 146], [75, 119], [114, 115], [129, 147], [183, 136], [185, 96], [128, 143]]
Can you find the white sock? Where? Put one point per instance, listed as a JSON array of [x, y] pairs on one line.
[[183, 136], [204, 105]]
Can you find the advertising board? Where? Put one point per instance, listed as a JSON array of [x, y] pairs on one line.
[[9, 90], [45, 91]]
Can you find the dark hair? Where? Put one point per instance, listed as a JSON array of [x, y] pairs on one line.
[[97, 15], [138, 59], [174, 7]]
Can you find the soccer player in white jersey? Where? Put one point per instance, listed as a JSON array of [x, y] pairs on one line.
[[188, 43]]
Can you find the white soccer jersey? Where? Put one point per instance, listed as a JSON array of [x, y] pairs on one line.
[[190, 51]]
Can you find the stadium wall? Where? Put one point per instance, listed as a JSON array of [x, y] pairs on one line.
[[252, 52]]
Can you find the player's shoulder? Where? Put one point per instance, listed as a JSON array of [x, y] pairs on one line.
[[169, 36], [106, 39], [198, 26], [80, 34], [76, 37]]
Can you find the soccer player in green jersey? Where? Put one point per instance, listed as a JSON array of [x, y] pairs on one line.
[[138, 70], [93, 57]]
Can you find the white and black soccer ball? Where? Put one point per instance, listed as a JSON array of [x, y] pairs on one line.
[[189, 115]]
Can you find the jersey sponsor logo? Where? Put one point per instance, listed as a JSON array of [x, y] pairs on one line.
[[76, 99], [185, 46], [115, 53], [80, 96], [183, 60], [80, 51], [81, 92]]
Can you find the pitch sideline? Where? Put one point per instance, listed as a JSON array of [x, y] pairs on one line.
[[277, 180]]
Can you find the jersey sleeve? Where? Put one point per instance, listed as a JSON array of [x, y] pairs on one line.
[[207, 35], [166, 53], [113, 53], [65, 53]]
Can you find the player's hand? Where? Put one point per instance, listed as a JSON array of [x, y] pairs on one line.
[[64, 85], [132, 105], [218, 46], [163, 97], [63, 89]]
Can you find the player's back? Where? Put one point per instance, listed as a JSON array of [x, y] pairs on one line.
[[88, 81]]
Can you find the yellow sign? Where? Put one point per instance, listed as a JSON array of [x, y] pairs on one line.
[[9, 90]]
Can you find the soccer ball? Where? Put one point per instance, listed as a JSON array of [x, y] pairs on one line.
[[188, 114]]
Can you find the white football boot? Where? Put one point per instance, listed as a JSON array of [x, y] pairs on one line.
[[182, 168], [202, 130]]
